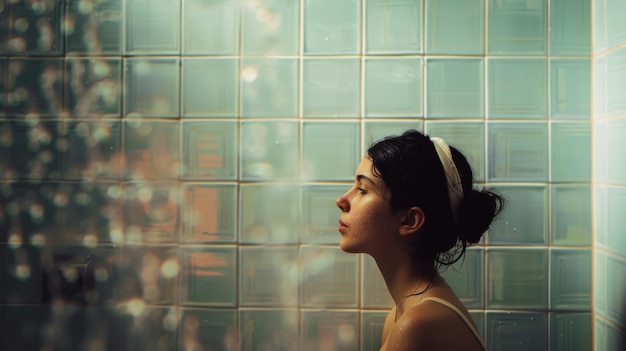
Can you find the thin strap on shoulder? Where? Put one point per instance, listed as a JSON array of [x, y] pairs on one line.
[[461, 314]]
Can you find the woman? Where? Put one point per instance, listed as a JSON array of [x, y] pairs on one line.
[[413, 209]]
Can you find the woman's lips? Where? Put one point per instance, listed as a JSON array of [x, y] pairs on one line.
[[342, 226]]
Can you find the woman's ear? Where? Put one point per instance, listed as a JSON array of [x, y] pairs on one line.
[[413, 220]]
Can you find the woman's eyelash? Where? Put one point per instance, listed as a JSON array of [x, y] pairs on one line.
[[362, 191]]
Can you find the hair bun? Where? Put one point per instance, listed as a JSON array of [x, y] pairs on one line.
[[476, 212]]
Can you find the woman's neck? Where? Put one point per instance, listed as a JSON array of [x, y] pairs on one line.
[[405, 276]]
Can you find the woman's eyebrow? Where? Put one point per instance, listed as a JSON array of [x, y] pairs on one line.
[[360, 178]]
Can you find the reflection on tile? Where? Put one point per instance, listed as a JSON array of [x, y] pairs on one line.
[[278, 223], [269, 150], [467, 137], [615, 144], [455, 88], [320, 214], [517, 331], [331, 87], [570, 215], [332, 27], [207, 328], [393, 27], [321, 139], [570, 91], [518, 88], [210, 150], [570, 331], [570, 275], [518, 151], [220, 18], [210, 87], [268, 276], [374, 292], [513, 225], [517, 28], [93, 150], [616, 81], [517, 278], [31, 150], [571, 152], [570, 28], [269, 87], [330, 329], [209, 213], [94, 29], [393, 87], [152, 87], [149, 273], [268, 329], [616, 223], [36, 30], [151, 212], [151, 149], [371, 329], [36, 87], [329, 277], [153, 28], [93, 88], [209, 275], [466, 278], [455, 27], [376, 130], [270, 27]]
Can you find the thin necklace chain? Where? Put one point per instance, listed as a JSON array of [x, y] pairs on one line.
[[430, 283]]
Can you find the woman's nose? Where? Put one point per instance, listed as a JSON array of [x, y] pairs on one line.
[[342, 203]]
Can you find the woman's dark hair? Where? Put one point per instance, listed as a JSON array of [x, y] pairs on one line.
[[412, 171]]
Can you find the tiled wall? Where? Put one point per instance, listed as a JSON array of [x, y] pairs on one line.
[[609, 65], [174, 164]]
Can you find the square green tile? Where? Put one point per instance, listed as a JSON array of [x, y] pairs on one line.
[[210, 87], [321, 139], [209, 213], [615, 289], [92, 149], [270, 27], [570, 28], [467, 137], [276, 328], [466, 278], [33, 151], [263, 224], [517, 278], [332, 27], [269, 150], [600, 284], [210, 150], [374, 131], [513, 226], [34, 85], [570, 88], [570, 215], [151, 149], [151, 213], [616, 143], [599, 87], [393, 87], [518, 88], [35, 28], [600, 164], [94, 87], [571, 152], [615, 24], [267, 276], [153, 28], [615, 338], [517, 151], [516, 27], [616, 223], [219, 18], [455, 88], [269, 87], [616, 82], [393, 27], [599, 25], [372, 328], [98, 37], [517, 331], [331, 87], [571, 331], [320, 328], [329, 278], [600, 221], [320, 214], [209, 276], [208, 328], [479, 321], [570, 279], [455, 27], [152, 87]]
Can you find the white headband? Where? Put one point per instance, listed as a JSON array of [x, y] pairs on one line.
[[453, 180]]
